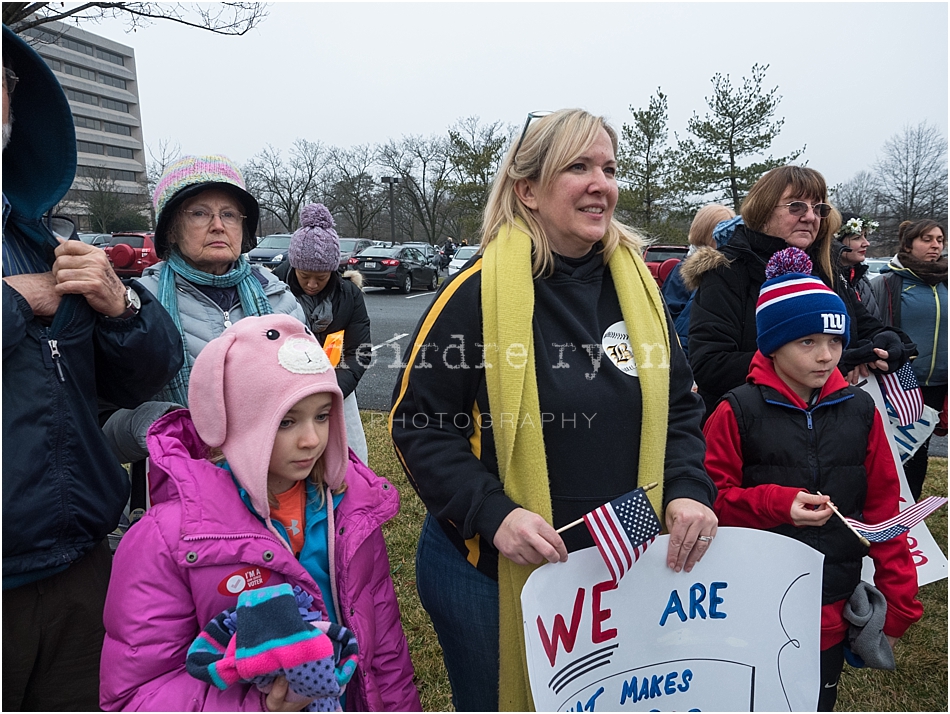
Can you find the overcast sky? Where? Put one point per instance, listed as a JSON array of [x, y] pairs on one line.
[[850, 74]]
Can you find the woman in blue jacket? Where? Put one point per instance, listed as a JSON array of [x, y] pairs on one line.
[[912, 294]]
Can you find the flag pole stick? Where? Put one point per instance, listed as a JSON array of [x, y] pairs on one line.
[[864, 541], [646, 488]]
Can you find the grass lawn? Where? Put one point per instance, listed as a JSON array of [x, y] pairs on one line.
[[918, 684]]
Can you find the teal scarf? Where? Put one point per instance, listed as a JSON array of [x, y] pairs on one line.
[[250, 292]]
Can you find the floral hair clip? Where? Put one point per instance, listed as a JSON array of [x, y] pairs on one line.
[[857, 226]]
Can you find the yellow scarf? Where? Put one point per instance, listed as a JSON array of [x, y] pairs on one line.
[[508, 311]]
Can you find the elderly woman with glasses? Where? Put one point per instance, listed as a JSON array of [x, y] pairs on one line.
[[786, 207], [206, 222], [544, 381]]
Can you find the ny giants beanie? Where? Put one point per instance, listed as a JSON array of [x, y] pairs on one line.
[[315, 246], [794, 303], [245, 381]]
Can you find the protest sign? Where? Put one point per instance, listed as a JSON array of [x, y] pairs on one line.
[[739, 633], [930, 561]]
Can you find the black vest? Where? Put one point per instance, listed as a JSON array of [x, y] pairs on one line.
[[819, 449]]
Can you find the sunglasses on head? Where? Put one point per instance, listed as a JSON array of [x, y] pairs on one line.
[[800, 208], [531, 116]]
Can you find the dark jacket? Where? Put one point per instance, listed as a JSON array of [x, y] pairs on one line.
[[441, 420], [349, 315], [765, 445], [722, 331], [856, 278], [63, 490]]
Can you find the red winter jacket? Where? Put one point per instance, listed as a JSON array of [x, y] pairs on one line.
[[767, 506]]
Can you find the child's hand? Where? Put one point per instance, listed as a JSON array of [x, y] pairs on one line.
[[810, 509], [277, 700]]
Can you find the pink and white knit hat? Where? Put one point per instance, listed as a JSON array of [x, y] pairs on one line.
[[245, 381], [191, 175]]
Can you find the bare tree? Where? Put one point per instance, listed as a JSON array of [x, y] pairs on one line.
[[283, 187], [108, 208], [912, 173], [224, 18], [424, 169], [355, 193], [858, 195]]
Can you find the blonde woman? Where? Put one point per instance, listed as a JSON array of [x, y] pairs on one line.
[[555, 333]]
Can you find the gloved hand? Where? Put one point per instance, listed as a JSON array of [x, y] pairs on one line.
[[898, 352], [126, 429]]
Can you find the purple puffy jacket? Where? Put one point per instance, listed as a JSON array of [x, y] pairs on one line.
[[199, 546]]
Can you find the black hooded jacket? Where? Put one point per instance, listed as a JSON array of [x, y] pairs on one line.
[[63, 490]]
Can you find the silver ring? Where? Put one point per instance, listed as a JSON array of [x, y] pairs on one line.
[[706, 539]]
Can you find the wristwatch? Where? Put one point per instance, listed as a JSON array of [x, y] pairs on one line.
[[132, 305]]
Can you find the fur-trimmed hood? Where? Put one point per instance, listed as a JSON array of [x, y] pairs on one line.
[[704, 260]]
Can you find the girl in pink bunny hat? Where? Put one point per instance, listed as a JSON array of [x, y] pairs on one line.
[[255, 487]]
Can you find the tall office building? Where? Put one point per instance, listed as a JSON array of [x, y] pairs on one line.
[[98, 76]]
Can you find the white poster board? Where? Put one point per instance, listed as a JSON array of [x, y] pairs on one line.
[[930, 561], [741, 632]]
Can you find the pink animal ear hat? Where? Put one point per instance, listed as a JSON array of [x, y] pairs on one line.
[[245, 381]]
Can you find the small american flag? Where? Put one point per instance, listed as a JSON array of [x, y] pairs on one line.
[[903, 394], [901, 523], [622, 530]]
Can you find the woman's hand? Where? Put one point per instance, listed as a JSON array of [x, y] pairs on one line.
[[692, 527], [527, 539], [863, 371], [277, 700], [809, 509]]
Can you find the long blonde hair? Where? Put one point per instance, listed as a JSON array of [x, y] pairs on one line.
[[550, 145]]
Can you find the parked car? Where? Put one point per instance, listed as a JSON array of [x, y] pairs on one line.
[[875, 265], [100, 240], [271, 250], [131, 253], [432, 254], [661, 259], [461, 257], [350, 247], [398, 267]]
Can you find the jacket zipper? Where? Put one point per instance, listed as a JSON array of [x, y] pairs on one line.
[[812, 439], [54, 354], [933, 351]]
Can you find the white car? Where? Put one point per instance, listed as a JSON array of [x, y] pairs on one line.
[[461, 257], [875, 265]]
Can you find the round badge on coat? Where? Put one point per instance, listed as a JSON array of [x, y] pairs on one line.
[[617, 347]]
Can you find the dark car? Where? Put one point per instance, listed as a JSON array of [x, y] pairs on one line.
[[271, 250], [661, 259], [350, 247], [399, 267], [131, 253]]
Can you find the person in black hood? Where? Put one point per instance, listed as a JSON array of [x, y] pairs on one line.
[[72, 333], [786, 207]]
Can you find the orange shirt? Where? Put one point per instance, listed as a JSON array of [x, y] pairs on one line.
[[291, 514]]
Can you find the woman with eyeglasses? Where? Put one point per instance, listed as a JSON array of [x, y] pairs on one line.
[[544, 381], [206, 222], [788, 206]]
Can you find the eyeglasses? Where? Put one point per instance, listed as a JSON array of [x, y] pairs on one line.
[[800, 208], [531, 115], [200, 218], [9, 80]]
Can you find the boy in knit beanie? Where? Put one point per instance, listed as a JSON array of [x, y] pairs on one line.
[[795, 439]]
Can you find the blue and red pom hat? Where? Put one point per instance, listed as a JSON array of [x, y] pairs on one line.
[[793, 303]]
